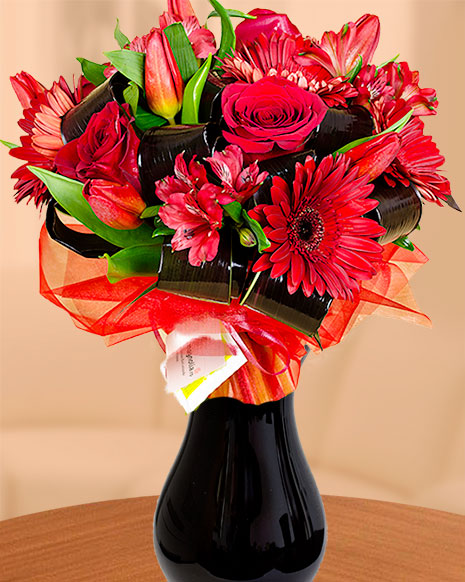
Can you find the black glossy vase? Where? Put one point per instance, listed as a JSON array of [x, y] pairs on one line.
[[240, 502]]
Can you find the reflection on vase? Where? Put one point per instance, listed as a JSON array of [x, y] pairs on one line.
[[240, 502]]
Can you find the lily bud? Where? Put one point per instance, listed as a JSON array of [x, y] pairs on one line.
[[164, 86], [118, 206], [247, 237], [374, 156]]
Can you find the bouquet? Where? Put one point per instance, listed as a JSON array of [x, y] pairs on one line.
[[247, 201]]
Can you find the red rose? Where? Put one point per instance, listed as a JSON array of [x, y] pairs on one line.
[[266, 22], [106, 150], [271, 112]]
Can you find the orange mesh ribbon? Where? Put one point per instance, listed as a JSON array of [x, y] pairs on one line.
[[80, 287]]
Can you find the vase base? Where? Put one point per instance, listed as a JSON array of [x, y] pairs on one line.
[[196, 573]]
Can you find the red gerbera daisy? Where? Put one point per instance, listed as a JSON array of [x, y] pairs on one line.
[[318, 234], [43, 110], [278, 55]]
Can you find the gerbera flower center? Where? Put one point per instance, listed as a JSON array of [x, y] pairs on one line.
[[306, 230]]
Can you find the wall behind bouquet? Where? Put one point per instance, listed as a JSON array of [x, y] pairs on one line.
[[381, 415]]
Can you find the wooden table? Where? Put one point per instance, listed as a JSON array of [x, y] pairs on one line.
[[112, 541]]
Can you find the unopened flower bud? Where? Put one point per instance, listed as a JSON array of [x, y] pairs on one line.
[[164, 86], [247, 237]]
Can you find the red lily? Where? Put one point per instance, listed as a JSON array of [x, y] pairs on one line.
[[117, 205], [405, 85], [417, 162], [374, 156], [339, 53]]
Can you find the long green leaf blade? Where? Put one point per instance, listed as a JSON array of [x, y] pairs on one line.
[[120, 37], [232, 14], [68, 193], [193, 94], [395, 127], [93, 72], [182, 50], [8, 144], [129, 63], [228, 36]]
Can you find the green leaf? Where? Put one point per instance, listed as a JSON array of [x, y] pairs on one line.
[[129, 63], [163, 230], [405, 243], [182, 50], [392, 60], [193, 94], [120, 38], [145, 292], [395, 127], [263, 242], [150, 211], [93, 72], [234, 210], [356, 70], [9, 145], [233, 14], [228, 36], [68, 193], [136, 261], [146, 119], [131, 96]]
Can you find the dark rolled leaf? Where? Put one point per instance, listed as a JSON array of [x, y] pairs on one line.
[[399, 209], [271, 297], [89, 246], [210, 281], [210, 105], [340, 127], [453, 204], [74, 123], [159, 147]]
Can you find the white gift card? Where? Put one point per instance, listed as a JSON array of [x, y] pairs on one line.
[[199, 358]]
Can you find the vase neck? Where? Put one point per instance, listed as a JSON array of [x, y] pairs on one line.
[[229, 417]]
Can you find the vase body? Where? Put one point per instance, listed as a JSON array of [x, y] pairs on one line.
[[240, 502]]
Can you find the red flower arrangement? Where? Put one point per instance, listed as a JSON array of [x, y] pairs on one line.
[[286, 167], [247, 203]]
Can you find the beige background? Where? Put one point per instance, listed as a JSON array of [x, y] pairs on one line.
[[381, 415]]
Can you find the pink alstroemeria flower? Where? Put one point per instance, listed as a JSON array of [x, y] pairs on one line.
[[339, 53], [241, 183], [193, 209]]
